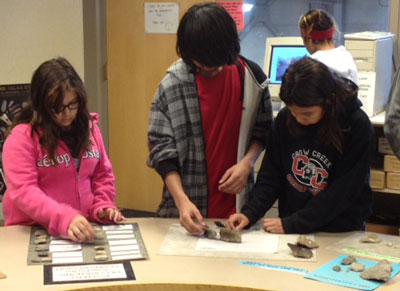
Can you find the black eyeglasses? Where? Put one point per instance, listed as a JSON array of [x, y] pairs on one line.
[[71, 106]]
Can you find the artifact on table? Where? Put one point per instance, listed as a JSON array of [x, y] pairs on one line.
[[371, 238], [223, 233], [300, 252], [348, 260], [40, 239], [101, 258], [357, 267], [379, 272], [336, 268], [302, 240]]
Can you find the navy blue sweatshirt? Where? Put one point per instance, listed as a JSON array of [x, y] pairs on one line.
[[318, 188]]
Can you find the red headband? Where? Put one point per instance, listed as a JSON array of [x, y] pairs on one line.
[[322, 34]]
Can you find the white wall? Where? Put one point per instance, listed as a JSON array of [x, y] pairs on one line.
[[33, 31]]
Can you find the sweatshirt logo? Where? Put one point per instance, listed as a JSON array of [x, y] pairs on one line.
[[60, 159], [65, 159], [309, 172]]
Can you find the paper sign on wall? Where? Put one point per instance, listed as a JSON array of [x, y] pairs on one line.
[[161, 17], [235, 9]]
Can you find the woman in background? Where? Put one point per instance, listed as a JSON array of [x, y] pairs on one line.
[[317, 28], [57, 170]]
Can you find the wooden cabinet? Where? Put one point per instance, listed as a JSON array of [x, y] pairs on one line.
[[386, 208]]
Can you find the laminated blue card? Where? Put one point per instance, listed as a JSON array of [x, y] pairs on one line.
[[346, 277]]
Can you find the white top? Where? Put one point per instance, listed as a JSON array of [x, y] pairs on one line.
[[340, 60]]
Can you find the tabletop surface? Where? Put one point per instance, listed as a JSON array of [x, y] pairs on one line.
[[173, 269]]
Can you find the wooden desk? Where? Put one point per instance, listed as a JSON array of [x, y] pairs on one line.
[[171, 269]]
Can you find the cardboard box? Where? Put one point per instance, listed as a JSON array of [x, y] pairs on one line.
[[391, 164], [384, 146], [393, 181], [377, 179], [382, 228]]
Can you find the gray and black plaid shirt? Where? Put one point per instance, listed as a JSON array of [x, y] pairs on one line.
[[175, 131]]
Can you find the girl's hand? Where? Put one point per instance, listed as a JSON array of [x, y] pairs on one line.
[[273, 225], [80, 230], [237, 221], [110, 214]]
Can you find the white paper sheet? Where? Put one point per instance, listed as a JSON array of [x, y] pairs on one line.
[[64, 248], [127, 257], [124, 248], [252, 243], [67, 260], [120, 236], [122, 242], [117, 227], [67, 254]]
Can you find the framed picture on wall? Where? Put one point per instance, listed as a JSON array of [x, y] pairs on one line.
[[12, 99]]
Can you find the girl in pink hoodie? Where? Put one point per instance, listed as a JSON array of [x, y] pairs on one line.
[[57, 171]]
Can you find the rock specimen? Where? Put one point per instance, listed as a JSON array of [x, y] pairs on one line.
[[210, 233], [371, 238], [302, 240], [336, 268], [348, 260], [300, 252], [101, 258], [224, 234], [379, 272], [357, 267], [40, 239], [230, 235]]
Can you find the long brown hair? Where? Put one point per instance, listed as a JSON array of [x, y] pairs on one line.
[[309, 82], [51, 80]]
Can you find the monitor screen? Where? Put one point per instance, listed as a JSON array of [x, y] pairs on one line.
[[281, 57]]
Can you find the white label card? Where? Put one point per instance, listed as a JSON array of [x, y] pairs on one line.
[[88, 272]]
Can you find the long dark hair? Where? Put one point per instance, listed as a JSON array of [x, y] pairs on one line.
[[208, 34], [50, 82], [309, 82]]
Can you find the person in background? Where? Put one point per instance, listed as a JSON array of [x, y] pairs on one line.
[[317, 28], [318, 157], [57, 170], [392, 118], [209, 120]]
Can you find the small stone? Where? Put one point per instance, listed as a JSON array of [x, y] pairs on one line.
[[46, 260], [40, 232], [302, 240], [348, 260], [40, 248], [41, 239], [43, 254], [97, 228], [101, 252], [230, 235], [379, 272], [210, 233], [300, 252], [101, 258], [336, 268], [371, 238], [357, 267], [389, 244], [99, 235]]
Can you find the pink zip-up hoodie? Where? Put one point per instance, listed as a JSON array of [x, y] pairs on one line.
[[52, 193]]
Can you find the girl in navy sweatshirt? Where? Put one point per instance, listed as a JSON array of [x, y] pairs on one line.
[[318, 158]]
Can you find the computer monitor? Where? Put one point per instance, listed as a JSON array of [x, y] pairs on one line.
[[280, 52]]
